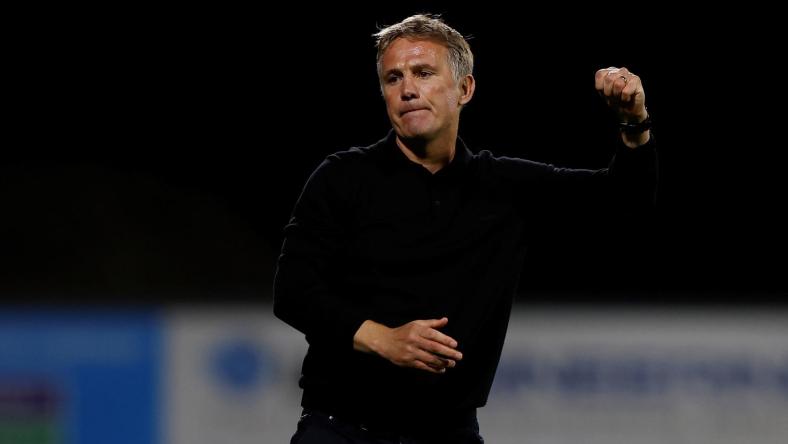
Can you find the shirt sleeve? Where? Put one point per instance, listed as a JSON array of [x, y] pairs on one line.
[[627, 183], [306, 291], [633, 175]]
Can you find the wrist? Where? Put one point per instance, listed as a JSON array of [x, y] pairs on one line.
[[635, 140], [637, 126], [368, 337]]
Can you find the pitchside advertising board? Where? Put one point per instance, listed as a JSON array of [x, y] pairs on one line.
[[87, 377], [212, 376]]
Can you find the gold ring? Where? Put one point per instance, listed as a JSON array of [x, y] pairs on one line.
[[625, 79]]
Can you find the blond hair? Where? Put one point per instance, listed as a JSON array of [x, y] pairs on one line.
[[428, 27]]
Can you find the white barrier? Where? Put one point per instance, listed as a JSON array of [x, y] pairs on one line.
[[566, 376]]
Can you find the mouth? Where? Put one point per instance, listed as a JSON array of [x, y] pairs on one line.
[[412, 111]]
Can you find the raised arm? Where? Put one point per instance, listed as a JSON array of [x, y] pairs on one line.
[[629, 180]]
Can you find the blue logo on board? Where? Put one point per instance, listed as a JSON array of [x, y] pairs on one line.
[[241, 364]]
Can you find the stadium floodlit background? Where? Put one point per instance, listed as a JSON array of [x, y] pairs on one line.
[[152, 158]]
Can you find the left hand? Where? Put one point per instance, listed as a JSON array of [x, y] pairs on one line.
[[623, 92]]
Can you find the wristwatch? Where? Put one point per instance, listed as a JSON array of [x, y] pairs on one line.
[[636, 128]]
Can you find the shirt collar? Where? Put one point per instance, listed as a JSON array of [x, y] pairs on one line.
[[462, 155]]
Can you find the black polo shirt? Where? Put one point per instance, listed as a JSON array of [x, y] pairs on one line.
[[377, 236]]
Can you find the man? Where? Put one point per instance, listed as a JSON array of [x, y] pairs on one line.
[[401, 259]]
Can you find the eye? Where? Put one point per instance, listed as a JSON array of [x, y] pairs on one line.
[[424, 74], [392, 79]]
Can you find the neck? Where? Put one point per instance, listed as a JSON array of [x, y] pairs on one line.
[[431, 154]]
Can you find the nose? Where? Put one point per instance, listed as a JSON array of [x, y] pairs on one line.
[[408, 89]]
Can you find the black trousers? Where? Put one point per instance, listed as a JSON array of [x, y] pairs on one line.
[[321, 428]]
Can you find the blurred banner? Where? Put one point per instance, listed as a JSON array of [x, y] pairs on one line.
[[229, 375], [232, 377], [87, 377], [650, 376]]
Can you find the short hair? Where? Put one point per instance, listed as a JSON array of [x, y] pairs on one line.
[[428, 27]]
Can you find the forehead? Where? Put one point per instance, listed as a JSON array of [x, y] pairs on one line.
[[404, 51]]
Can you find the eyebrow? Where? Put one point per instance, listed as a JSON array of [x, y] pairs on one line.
[[417, 67]]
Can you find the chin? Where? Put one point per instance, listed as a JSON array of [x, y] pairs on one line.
[[413, 135], [414, 132]]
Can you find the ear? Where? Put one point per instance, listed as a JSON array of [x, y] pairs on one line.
[[467, 87]]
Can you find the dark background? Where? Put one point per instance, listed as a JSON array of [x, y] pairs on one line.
[[154, 156]]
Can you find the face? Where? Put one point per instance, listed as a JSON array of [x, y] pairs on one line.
[[423, 100]]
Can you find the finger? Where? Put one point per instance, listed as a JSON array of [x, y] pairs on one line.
[[451, 363], [619, 83], [442, 362], [610, 79], [599, 77], [430, 359], [442, 350], [422, 366], [631, 89], [441, 338], [446, 363], [435, 323], [617, 86]]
